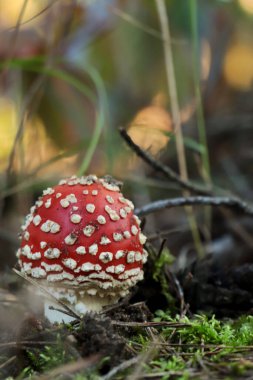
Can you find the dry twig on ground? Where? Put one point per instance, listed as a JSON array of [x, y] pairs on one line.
[[205, 198]]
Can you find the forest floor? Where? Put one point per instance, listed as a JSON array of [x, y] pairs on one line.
[[151, 334]]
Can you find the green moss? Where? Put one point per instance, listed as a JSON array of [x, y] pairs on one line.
[[203, 342], [181, 353], [165, 258], [46, 358]]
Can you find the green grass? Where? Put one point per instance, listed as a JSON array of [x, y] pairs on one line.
[[193, 8], [38, 65]]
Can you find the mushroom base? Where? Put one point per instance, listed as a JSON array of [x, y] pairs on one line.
[[76, 300]]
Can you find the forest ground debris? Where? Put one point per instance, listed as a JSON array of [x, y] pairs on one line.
[[164, 347]]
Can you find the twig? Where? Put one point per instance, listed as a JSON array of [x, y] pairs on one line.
[[26, 342], [70, 368], [168, 374], [178, 289], [70, 314], [123, 366], [21, 23], [45, 291], [136, 23], [161, 248], [207, 346], [141, 26], [160, 167], [195, 200], [165, 233], [7, 362], [151, 324], [109, 308], [171, 175]]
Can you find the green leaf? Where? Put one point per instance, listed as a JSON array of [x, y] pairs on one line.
[[194, 145]]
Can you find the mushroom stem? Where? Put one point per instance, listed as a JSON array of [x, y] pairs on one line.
[[81, 305]]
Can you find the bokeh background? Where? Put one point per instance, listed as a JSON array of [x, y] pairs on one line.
[[72, 72]]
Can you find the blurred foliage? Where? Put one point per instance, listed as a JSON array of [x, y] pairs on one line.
[[73, 71], [121, 42]]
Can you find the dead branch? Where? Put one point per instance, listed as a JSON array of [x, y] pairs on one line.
[[8, 361], [195, 188], [230, 202], [71, 368], [151, 324], [121, 367], [160, 167]]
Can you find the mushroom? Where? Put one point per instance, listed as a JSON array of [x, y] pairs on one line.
[[83, 243]]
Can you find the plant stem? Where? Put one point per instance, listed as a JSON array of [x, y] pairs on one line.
[[170, 73], [199, 107], [197, 86]]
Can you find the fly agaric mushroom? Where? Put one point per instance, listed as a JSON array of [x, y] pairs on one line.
[[83, 243]]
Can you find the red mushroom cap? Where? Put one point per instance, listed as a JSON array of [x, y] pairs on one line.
[[83, 232]]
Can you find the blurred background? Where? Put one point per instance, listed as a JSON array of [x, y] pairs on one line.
[[72, 72]]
